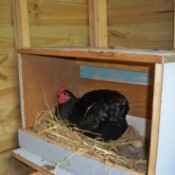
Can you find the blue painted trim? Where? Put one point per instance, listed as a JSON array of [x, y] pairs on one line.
[[114, 75]]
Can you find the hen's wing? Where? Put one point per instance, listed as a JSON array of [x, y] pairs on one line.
[[99, 112]]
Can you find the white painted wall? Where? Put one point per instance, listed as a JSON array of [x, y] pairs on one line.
[[166, 145], [142, 125]]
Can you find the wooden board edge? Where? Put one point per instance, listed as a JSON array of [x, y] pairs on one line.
[[21, 90], [30, 163], [97, 55], [155, 118], [47, 141]]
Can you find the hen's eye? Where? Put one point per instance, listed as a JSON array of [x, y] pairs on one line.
[[65, 93]]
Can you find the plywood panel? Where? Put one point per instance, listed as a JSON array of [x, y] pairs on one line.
[[143, 24], [42, 76]]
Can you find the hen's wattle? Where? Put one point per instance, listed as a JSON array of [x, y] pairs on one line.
[[99, 111]]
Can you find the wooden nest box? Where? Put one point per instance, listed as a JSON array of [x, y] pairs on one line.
[[149, 89]]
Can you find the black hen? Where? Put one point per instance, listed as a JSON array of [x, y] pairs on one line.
[[99, 111]]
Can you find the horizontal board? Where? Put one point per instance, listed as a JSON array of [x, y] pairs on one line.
[[107, 74], [6, 17], [141, 24], [58, 23], [37, 163], [59, 36], [52, 13], [8, 61], [7, 74], [8, 141], [4, 166], [7, 39], [58, 154]]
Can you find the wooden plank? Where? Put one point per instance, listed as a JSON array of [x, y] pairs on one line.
[[155, 118], [113, 65], [6, 39], [53, 13], [91, 23], [8, 68], [21, 23], [6, 12], [6, 27], [9, 102], [108, 55], [8, 141], [8, 60], [29, 161], [115, 75], [166, 144], [58, 23], [5, 154], [98, 23], [59, 36], [38, 163], [143, 24], [4, 166]]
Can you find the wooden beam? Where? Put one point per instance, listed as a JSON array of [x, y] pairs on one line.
[[98, 23], [5, 154], [21, 23], [32, 164], [155, 119], [108, 55]]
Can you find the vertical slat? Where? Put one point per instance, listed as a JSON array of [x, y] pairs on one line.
[[155, 118], [91, 23], [98, 23], [21, 23]]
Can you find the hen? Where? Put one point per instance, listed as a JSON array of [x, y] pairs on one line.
[[99, 111]]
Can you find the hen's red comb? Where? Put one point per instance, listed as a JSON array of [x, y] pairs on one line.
[[61, 90]]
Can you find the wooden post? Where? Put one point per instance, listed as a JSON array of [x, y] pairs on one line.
[[21, 23], [155, 119], [98, 23]]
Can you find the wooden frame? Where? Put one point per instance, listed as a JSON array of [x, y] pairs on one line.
[[98, 23], [98, 38], [158, 59], [21, 22]]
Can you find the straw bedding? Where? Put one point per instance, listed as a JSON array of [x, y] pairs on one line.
[[118, 152]]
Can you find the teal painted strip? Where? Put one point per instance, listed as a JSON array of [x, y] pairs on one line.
[[123, 76]]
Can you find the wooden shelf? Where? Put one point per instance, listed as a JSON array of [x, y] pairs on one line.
[[118, 55]]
